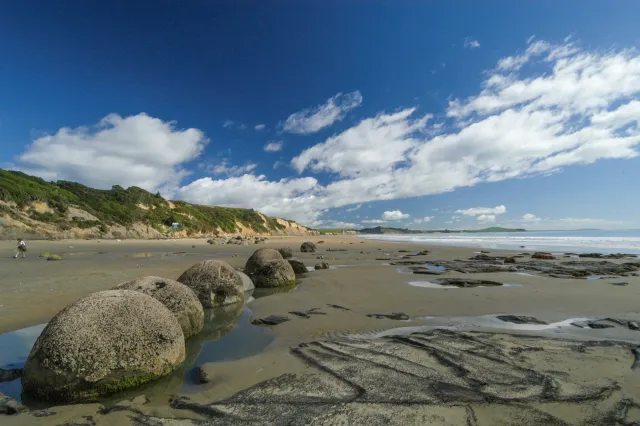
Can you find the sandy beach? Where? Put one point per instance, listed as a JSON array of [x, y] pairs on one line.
[[361, 280]]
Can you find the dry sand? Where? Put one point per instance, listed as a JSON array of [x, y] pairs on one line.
[[33, 290]]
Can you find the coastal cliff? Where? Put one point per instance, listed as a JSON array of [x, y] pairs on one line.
[[33, 208]]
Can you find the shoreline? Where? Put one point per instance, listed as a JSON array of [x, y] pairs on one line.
[[362, 281]]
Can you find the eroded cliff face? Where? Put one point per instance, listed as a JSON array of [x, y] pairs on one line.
[[16, 222]]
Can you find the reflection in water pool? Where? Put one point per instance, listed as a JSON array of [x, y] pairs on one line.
[[227, 335]]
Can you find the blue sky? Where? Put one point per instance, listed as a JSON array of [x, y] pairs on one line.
[[335, 114]]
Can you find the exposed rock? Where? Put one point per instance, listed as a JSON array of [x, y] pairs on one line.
[[422, 253], [320, 242], [510, 259], [308, 247], [247, 283], [104, 343], [542, 255], [465, 282], [307, 314], [330, 249], [9, 406], [400, 316], [606, 256], [591, 324], [440, 377], [202, 375], [338, 307], [519, 319], [215, 283], [578, 269], [270, 320], [10, 375], [404, 251], [54, 257], [322, 265], [286, 252], [177, 297], [484, 251], [622, 284], [276, 273], [298, 267], [259, 258], [425, 271], [320, 257]]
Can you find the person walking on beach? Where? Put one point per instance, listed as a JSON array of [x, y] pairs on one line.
[[22, 248]]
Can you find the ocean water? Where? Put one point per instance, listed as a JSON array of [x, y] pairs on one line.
[[618, 241]]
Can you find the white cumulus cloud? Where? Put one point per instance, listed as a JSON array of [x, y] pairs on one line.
[[394, 215], [259, 127], [476, 211], [486, 218], [528, 217], [273, 146], [136, 150], [312, 120]]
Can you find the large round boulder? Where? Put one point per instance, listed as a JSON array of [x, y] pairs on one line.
[[275, 273], [177, 297], [104, 343], [247, 284], [286, 252], [259, 258], [308, 247], [215, 283], [298, 267]]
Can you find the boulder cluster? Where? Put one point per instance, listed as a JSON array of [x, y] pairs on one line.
[[239, 240], [135, 332]]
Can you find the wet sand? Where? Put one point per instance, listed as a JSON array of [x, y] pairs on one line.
[[33, 290]]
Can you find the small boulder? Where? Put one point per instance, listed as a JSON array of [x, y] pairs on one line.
[[308, 247], [10, 406], [247, 284], [298, 267], [286, 252], [519, 319], [399, 316], [509, 260], [10, 375], [104, 343], [276, 273], [320, 257], [542, 255], [259, 258], [177, 297], [215, 283], [322, 265], [270, 320]]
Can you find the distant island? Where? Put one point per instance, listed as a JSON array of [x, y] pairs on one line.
[[385, 230]]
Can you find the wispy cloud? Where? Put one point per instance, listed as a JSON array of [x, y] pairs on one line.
[[373, 221], [259, 127], [224, 168], [470, 43], [273, 146], [476, 211], [312, 120], [353, 209]]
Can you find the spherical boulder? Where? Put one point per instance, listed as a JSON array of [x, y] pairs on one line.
[[286, 252], [177, 297], [101, 344], [298, 267], [215, 283], [322, 265], [247, 284], [259, 258], [308, 247], [275, 273]]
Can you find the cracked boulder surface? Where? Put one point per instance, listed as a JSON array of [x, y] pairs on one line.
[[438, 377]]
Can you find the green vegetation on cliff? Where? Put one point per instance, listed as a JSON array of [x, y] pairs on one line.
[[119, 206]]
